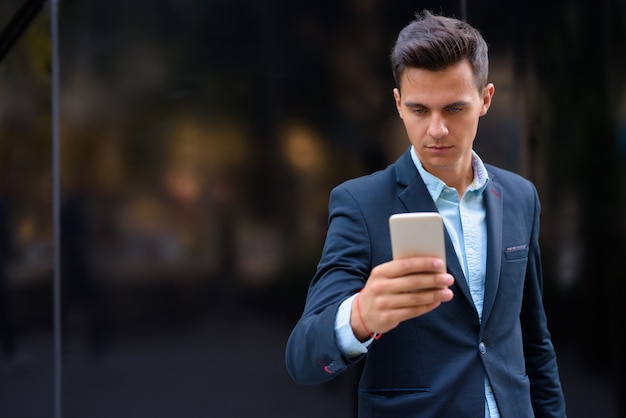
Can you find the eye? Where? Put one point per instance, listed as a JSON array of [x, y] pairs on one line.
[[419, 110], [455, 109]]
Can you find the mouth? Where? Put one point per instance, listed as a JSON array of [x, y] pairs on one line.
[[439, 147]]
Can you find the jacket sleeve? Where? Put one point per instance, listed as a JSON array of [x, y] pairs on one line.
[[312, 353], [541, 365]]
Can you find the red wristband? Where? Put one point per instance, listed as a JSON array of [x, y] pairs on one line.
[[373, 335]]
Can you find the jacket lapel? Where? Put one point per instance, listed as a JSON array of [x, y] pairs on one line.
[[493, 204], [416, 198]]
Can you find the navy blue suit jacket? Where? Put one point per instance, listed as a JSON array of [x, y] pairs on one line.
[[435, 365]]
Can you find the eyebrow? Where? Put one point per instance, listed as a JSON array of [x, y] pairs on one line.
[[455, 104]]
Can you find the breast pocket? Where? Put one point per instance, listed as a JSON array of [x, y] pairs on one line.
[[518, 252]]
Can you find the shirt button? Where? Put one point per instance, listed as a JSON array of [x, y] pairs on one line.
[[482, 348], [470, 251]]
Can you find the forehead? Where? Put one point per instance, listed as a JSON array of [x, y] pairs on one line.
[[449, 85]]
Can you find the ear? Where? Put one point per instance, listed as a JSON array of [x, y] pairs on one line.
[[397, 98], [487, 96]]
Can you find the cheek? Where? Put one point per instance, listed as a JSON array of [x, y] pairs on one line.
[[414, 128], [469, 124]]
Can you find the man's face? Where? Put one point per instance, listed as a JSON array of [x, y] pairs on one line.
[[440, 111]]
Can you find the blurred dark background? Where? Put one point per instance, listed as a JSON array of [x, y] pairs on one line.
[[199, 142]]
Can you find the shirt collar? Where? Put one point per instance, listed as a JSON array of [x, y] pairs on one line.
[[435, 185]]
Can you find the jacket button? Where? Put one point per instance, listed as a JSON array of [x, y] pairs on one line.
[[482, 348]]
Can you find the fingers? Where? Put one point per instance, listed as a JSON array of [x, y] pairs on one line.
[[385, 313], [398, 268], [409, 275], [404, 289], [432, 296], [412, 299]]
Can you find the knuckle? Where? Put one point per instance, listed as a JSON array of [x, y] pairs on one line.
[[376, 287]]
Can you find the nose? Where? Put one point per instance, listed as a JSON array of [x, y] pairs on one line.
[[437, 127]]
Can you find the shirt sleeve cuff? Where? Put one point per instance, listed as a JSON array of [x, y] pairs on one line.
[[349, 345]]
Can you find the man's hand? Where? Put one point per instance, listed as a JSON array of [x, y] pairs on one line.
[[399, 290]]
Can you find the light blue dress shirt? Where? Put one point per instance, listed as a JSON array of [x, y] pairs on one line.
[[465, 222]]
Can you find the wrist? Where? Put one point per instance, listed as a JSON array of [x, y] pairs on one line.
[[361, 331]]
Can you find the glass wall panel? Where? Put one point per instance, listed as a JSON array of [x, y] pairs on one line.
[[26, 251]]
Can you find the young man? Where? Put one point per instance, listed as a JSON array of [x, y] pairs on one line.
[[469, 339]]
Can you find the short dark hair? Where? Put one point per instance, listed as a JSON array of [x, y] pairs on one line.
[[433, 42]]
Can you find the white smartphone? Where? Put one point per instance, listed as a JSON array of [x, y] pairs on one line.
[[417, 234]]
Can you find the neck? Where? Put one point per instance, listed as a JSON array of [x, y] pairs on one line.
[[453, 178]]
